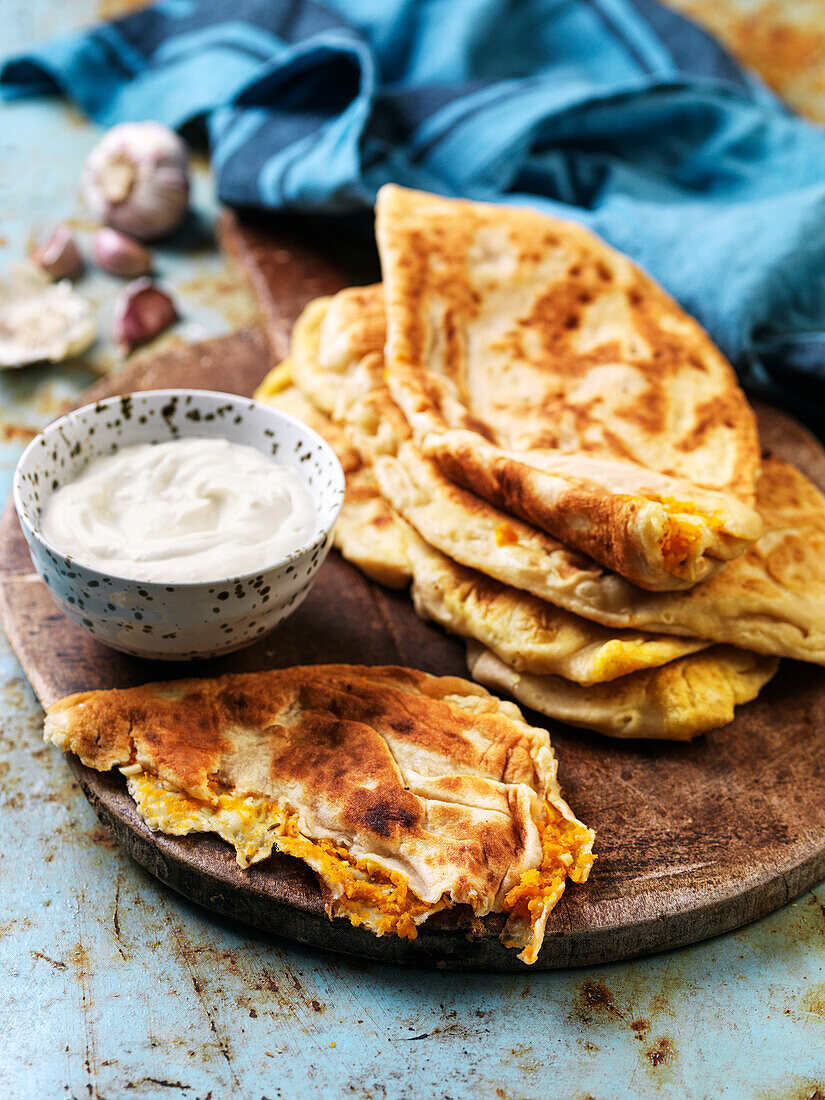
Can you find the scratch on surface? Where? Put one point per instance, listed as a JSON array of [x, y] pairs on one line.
[[670, 872], [80, 963], [52, 962], [158, 1081], [116, 918], [220, 1039], [428, 1034]]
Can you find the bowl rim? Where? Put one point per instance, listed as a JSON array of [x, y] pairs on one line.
[[54, 427]]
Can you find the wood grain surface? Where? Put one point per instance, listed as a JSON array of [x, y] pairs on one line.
[[693, 839]]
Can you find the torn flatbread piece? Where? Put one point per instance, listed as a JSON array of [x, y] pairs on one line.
[[676, 702], [405, 793], [512, 337]]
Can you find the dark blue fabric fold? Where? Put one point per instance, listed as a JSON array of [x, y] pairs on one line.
[[617, 113]]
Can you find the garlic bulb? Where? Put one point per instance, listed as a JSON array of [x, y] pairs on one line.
[[59, 256], [119, 254], [136, 179], [142, 311], [42, 321]]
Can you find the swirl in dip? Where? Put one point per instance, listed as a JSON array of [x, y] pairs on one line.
[[185, 511]]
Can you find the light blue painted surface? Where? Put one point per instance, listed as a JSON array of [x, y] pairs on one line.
[[116, 987]]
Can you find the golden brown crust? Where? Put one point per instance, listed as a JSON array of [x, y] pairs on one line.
[[428, 775], [530, 634], [661, 533], [332, 333], [676, 702], [554, 340], [770, 600], [368, 533], [527, 632], [594, 523], [510, 334]]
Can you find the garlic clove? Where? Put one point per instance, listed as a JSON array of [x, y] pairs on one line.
[[119, 254], [142, 311], [136, 179], [41, 321], [59, 256]]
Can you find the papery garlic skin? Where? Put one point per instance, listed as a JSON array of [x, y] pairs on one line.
[[142, 311], [136, 179], [59, 255], [120, 255], [41, 321]]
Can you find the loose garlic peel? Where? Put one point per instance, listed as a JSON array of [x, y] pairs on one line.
[[41, 321]]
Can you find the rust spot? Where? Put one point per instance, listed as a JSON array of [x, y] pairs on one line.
[[52, 962], [17, 433], [316, 1005], [596, 995], [222, 292], [813, 1001], [810, 1090], [99, 835], [641, 1027], [164, 1082], [662, 1054]]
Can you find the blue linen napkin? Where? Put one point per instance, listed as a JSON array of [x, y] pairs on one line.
[[617, 113]]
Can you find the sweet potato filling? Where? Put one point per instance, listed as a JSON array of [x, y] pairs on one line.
[[565, 854], [506, 534], [365, 892], [677, 544], [369, 894], [685, 523]]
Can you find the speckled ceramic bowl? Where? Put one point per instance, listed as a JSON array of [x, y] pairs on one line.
[[175, 621]]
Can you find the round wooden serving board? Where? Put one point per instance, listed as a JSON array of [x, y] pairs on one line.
[[693, 839]]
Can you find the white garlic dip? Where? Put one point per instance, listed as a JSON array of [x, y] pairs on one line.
[[187, 510]]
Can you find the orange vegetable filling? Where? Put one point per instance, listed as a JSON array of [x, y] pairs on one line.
[[254, 826], [565, 854], [386, 891], [683, 534], [677, 544], [506, 534], [367, 893]]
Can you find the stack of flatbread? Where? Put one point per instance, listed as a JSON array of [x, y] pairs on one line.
[[560, 463]]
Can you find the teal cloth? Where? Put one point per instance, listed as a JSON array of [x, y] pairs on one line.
[[617, 113]]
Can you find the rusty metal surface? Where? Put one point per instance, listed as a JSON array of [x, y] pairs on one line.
[[116, 987]]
